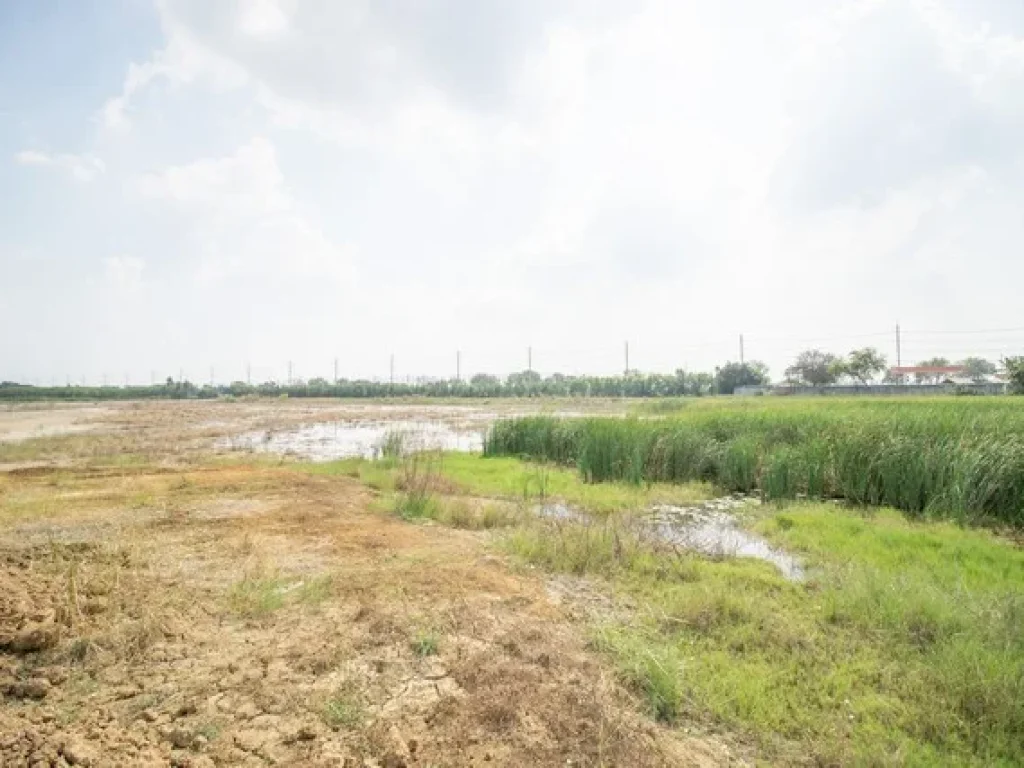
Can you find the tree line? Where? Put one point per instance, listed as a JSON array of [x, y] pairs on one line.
[[811, 367], [520, 384], [867, 366]]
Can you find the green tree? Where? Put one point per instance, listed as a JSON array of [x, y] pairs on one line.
[[814, 367], [863, 364], [1015, 370], [733, 375], [978, 368]]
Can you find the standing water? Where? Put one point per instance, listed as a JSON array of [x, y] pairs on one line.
[[709, 528], [349, 439]]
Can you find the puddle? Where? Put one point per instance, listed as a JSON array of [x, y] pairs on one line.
[[559, 510], [710, 528], [349, 439]]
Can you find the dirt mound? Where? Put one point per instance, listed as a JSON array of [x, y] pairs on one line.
[[27, 610]]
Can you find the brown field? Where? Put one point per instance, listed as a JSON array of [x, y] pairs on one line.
[[163, 604]]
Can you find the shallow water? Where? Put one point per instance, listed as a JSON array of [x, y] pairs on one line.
[[709, 528], [349, 439]]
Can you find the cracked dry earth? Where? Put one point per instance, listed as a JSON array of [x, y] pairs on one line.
[[250, 615]]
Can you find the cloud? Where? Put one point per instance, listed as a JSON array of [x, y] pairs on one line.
[[124, 273], [81, 167], [573, 172], [244, 219], [901, 97], [263, 18]]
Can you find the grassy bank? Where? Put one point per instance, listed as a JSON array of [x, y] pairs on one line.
[[954, 457], [905, 647], [509, 479]]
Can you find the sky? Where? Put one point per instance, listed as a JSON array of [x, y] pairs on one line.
[[194, 187]]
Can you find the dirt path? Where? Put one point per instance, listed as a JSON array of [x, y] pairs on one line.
[[246, 615]]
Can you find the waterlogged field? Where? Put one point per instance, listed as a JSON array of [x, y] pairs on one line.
[[169, 599]]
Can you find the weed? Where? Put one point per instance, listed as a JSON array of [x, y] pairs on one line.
[[416, 482], [315, 590], [425, 643], [654, 670], [209, 731], [392, 445], [342, 709], [257, 595]]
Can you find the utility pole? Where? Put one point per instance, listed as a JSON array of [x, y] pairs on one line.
[[742, 361], [899, 359], [627, 360], [335, 370]]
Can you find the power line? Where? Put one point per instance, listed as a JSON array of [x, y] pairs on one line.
[[991, 330]]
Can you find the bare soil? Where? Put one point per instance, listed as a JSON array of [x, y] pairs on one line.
[[181, 611], [24, 422]]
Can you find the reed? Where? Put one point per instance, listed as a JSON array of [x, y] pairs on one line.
[[961, 458]]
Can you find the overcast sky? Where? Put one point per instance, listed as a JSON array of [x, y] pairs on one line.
[[189, 184]]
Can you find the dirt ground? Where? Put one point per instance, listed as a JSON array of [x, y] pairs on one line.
[[24, 422], [161, 606]]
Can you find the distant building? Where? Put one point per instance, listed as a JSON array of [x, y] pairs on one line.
[[938, 372]]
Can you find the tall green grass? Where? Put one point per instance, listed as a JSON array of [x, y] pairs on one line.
[[960, 458]]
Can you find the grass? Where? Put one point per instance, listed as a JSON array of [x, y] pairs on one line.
[[342, 709], [425, 643], [262, 592], [257, 595], [315, 590], [509, 479], [960, 458], [906, 646], [392, 446]]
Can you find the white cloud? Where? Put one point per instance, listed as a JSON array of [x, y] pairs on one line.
[[81, 167], [244, 219], [263, 18], [181, 62], [124, 273], [577, 171]]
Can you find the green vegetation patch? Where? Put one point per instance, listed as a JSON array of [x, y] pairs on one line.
[[906, 644], [961, 458], [506, 478]]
